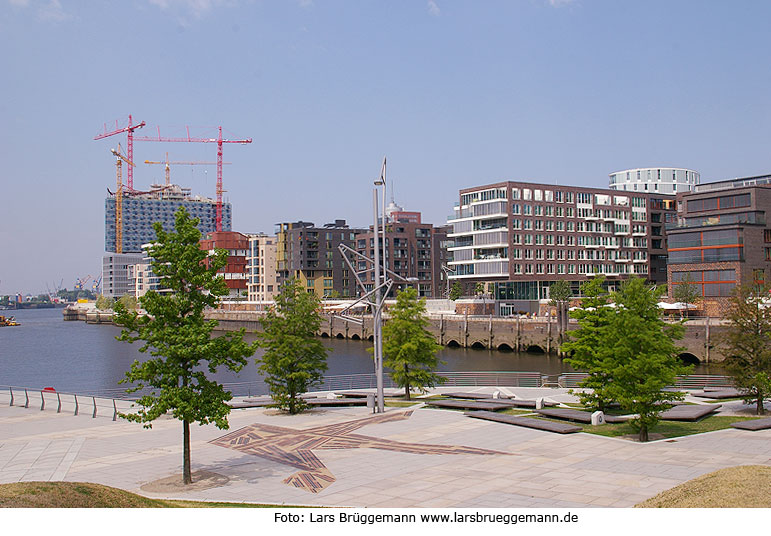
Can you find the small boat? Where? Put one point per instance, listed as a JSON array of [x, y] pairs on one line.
[[8, 321]]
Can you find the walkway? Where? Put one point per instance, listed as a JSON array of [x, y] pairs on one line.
[[380, 463]]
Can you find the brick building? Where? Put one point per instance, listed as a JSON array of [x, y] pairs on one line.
[[721, 239], [237, 246], [518, 238]]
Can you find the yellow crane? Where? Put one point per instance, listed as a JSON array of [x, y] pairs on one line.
[[167, 163], [119, 198]]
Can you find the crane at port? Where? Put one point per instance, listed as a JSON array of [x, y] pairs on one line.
[[219, 140], [119, 159], [168, 164], [129, 130], [80, 283]]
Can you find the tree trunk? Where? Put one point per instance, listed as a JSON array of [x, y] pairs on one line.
[[760, 409], [643, 433], [187, 477], [407, 382]]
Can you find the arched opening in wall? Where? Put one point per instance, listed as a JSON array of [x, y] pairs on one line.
[[453, 344], [689, 358], [371, 337], [535, 349], [505, 348], [478, 346], [340, 336], [355, 337], [324, 335]]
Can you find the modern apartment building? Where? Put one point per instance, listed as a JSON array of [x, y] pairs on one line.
[[310, 254], [262, 283], [117, 274], [142, 209], [658, 180], [415, 251], [721, 239], [235, 272], [522, 237]]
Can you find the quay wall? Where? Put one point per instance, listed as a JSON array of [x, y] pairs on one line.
[[519, 334]]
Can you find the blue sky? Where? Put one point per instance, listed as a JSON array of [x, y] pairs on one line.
[[455, 93]]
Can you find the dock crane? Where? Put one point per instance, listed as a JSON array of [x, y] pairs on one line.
[[219, 140], [119, 198], [168, 164]]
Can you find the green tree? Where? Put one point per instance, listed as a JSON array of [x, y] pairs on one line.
[[129, 302], [748, 343], [456, 291], [686, 292], [639, 350], [104, 303], [560, 294], [585, 343], [294, 358], [178, 337], [409, 350]]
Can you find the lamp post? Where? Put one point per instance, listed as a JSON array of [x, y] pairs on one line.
[[377, 315]]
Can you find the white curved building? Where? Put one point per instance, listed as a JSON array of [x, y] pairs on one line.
[[655, 180]]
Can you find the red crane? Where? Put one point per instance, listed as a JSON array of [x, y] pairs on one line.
[[129, 130], [219, 141]]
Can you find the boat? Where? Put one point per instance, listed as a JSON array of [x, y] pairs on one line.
[[8, 321]]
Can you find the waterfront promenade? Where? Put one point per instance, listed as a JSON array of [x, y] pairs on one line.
[[529, 468]]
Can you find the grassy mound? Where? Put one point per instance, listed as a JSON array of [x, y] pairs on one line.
[[735, 487], [71, 495]]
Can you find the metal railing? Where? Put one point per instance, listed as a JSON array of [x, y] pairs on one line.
[[75, 403], [693, 381]]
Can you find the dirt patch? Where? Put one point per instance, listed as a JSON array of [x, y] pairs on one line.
[[734, 487], [636, 437], [173, 484]]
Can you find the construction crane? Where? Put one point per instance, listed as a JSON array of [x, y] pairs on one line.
[[168, 164], [129, 130], [119, 197], [219, 141]]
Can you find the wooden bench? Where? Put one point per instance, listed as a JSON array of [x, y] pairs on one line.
[[577, 415], [718, 394], [688, 412], [468, 404], [527, 422], [754, 425], [336, 402], [473, 396]]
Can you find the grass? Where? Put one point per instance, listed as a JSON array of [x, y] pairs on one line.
[[401, 403], [87, 495], [516, 411], [734, 487], [668, 429]]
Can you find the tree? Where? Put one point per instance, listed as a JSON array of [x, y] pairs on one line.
[[560, 294], [748, 343], [456, 291], [104, 303], [686, 292], [409, 350], [294, 358], [479, 289], [642, 357], [585, 343], [178, 337], [129, 302]]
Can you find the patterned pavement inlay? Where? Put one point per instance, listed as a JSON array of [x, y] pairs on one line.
[[294, 447]]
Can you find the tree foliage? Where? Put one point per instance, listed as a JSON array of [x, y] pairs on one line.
[[640, 349], [584, 344], [409, 350], [686, 291], [178, 337], [104, 303], [294, 358], [747, 342], [456, 291]]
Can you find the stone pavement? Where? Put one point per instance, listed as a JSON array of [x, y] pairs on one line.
[[540, 470]]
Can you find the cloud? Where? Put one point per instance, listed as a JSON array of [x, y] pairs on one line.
[[559, 3], [46, 10], [433, 8], [195, 8], [306, 3], [19, 3]]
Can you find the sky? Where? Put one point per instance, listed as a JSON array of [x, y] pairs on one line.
[[455, 93]]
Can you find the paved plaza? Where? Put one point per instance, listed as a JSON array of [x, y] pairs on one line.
[[407, 457]]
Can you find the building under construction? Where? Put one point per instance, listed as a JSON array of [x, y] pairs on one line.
[[142, 209]]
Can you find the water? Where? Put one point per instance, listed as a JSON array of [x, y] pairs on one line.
[[77, 357]]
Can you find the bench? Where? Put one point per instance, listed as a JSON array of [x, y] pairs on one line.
[[527, 422], [754, 425], [468, 404], [336, 402], [577, 415], [718, 394], [688, 412]]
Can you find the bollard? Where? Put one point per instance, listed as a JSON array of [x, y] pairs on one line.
[[76, 405], [598, 418], [371, 402], [59, 398], [42, 401], [539, 403], [94, 399]]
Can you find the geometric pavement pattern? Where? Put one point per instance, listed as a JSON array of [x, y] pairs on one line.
[[295, 447]]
